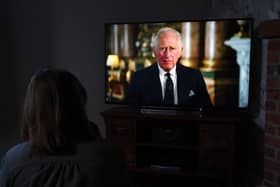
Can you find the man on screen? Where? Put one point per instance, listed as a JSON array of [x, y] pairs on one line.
[[167, 82]]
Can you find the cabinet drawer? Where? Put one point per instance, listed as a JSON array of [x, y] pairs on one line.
[[120, 129], [215, 160], [217, 138], [122, 132]]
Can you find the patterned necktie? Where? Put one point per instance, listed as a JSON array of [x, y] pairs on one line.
[[169, 93]]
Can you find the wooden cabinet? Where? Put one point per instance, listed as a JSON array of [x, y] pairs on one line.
[[173, 148]]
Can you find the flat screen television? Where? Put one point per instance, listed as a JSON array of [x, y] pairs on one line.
[[219, 48]]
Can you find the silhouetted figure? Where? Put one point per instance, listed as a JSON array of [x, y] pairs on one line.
[[61, 147]]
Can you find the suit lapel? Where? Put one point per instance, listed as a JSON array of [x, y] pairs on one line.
[[156, 93], [182, 85]]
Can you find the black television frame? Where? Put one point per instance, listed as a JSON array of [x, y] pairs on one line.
[[249, 28]]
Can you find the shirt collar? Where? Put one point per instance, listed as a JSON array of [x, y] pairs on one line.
[[162, 71]]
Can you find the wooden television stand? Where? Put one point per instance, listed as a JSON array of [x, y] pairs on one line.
[[174, 148]]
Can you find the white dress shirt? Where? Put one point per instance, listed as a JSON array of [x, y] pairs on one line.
[[163, 79]]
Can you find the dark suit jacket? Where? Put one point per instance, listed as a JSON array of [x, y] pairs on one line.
[[145, 88]]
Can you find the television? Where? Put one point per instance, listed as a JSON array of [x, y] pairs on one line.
[[219, 48]]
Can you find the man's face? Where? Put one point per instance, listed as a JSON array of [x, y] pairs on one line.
[[168, 51]]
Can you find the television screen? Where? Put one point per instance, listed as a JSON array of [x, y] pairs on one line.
[[219, 50]]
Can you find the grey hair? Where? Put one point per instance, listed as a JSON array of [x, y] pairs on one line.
[[163, 30]]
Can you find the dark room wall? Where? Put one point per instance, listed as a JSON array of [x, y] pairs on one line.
[[25, 47], [7, 81]]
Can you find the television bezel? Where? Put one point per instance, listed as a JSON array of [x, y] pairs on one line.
[[179, 107]]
